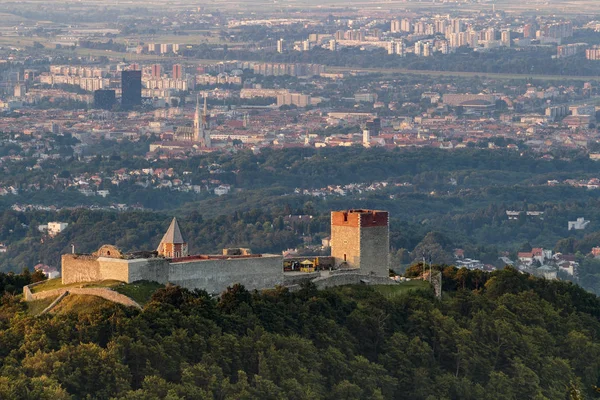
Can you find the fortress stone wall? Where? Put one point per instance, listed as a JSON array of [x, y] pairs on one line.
[[80, 268], [149, 269], [345, 246], [374, 251], [351, 279], [213, 274]]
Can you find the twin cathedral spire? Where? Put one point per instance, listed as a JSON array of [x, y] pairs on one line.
[[199, 133], [201, 125]]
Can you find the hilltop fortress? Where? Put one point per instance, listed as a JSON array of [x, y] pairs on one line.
[[359, 250]]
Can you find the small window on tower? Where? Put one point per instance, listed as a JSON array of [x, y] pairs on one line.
[[344, 257], [345, 217]]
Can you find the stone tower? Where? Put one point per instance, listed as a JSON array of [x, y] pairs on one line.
[[172, 244], [360, 239], [201, 125]]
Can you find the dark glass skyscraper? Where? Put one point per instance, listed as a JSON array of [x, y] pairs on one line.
[[131, 86]]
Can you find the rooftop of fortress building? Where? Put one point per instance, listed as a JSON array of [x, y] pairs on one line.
[[361, 211], [203, 257], [173, 234]]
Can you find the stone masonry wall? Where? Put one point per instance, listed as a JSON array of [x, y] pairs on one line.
[[374, 250], [215, 276], [114, 269], [345, 240], [351, 279], [151, 269], [80, 268], [290, 279]]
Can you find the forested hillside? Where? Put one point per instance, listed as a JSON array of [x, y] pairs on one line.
[[458, 201], [503, 335]]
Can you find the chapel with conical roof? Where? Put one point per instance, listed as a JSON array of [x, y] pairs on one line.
[[172, 244]]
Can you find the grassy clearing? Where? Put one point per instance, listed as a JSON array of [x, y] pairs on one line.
[[391, 291], [52, 284], [80, 303], [37, 306], [140, 291]]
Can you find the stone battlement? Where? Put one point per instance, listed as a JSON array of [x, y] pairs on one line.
[[359, 218]]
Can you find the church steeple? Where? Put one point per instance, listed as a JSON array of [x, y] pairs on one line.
[[201, 125], [197, 122], [172, 244]]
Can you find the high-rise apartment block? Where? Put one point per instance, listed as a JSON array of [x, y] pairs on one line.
[[593, 53], [20, 90], [570, 50], [156, 70], [456, 25], [506, 37], [424, 49], [396, 48], [441, 25], [295, 99], [406, 25], [177, 71], [558, 30]]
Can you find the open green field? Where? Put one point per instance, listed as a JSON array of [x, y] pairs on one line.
[[16, 41], [140, 291], [37, 306], [80, 304], [391, 291], [52, 284], [10, 19]]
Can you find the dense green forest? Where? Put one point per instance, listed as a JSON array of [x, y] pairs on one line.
[[504, 335], [479, 174]]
